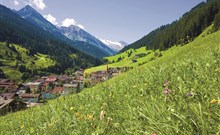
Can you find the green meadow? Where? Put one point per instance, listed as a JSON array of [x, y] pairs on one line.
[[16, 60], [174, 94]]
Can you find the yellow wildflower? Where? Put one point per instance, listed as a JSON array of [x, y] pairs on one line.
[[22, 126], [89, 116], [77, 114], [214, 101], [71, 108]]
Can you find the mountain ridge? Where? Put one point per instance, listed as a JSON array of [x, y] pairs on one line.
[[78, 40], [117, 46], [17, 30], [76, 33], [182, 31]]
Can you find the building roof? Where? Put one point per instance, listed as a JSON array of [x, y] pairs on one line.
[[7, 95], [51, 79], [58, 89], [2, 81], [4, 102], [30, 95], [34, 83], [70, 85]]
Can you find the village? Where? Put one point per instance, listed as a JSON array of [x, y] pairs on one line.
[[15, 97]]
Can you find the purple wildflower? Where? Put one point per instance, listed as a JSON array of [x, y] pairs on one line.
[[166, 91], [190, 94]]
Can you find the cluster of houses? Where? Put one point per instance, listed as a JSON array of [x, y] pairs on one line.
[[100, 76], [15, 97]]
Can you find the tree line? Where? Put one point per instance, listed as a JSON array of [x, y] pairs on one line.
[[184, 30]]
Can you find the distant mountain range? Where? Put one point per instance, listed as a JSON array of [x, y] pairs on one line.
[[79, 38], [75, 33], [32, 40], [117, 46]]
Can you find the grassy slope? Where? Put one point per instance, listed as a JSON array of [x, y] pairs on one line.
[[126, 61], [39, 61], [135, 101]]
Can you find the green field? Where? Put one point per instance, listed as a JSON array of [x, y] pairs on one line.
[[16, 60], [139, 102], [126, 60]]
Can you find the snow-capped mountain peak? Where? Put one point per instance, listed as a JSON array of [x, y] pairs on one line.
[[117, 46]]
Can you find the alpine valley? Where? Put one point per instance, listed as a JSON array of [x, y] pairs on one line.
[[64, 81]]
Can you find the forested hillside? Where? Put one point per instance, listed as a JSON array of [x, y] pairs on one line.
[[183, 31], [15, 29]]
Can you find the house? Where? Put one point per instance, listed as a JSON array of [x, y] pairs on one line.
[[30, 97], [79, 83], [42, 80], [70, 88], [99, 76], [45, 86], [51, 79], [79, 72], [58, 90], [9, 103], [62, 78], [34, 86], [7, 85]]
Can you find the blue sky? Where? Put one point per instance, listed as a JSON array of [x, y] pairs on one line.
[[115, 20]]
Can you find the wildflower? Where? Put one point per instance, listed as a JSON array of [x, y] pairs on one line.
[[102, 114], [213, 101], [81, 117], [22, 126], [154, 133], [71, 108], [77, 114], [89, 116], [166, 91], [190, 94]]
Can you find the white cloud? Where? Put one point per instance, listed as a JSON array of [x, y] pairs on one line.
[[16, 3], [68, 21], [51, 19], [39, 4], [81, 26]]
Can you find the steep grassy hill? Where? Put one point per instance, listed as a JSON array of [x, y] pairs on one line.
[[130, 58], [16, 61], [177, 93]]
